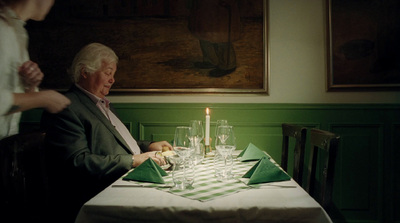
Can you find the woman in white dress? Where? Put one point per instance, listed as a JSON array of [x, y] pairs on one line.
[[19, 76]]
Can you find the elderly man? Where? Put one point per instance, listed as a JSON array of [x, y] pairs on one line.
[[87, 146]]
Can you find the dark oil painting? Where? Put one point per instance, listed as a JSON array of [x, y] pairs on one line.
[[363, 44], [164, 46]]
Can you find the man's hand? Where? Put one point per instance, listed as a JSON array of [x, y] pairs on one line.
[[156, 156], [160, 146]]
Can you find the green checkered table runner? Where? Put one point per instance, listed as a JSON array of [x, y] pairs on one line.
[[206, 186]]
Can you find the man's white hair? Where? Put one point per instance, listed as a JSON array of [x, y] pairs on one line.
[[89, 59]]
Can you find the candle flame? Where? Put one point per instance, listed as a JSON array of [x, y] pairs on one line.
[[207, 111]]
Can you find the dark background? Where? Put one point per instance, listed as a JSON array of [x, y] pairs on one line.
[[365, 42]]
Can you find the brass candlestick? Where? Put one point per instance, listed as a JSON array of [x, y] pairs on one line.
[[208, 148]]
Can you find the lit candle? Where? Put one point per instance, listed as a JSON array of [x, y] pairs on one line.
[[207, 141]]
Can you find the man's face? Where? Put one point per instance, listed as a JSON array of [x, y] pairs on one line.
[[42, 8], [99, 83]]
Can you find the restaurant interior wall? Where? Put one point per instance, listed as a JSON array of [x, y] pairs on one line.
[[298, 63]]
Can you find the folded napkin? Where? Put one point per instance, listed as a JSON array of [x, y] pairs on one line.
[[148, 171], [251, 153], [265, 171]]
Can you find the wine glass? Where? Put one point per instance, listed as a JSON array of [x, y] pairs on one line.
[[183, 147], [220, 122], [197, 135], [182, 141], [225, 143]]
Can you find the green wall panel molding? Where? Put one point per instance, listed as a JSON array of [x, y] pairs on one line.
[[367, 175]]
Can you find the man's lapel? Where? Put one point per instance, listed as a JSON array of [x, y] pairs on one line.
[[91, 106]]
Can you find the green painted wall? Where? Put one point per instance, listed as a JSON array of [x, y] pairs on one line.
[[366, 180]]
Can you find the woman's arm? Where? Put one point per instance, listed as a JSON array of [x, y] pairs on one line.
[[50, 100]]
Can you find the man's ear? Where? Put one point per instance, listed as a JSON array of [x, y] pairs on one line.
[[83, 72]]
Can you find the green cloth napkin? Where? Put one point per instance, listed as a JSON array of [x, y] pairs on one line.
[[148, 171], [251, 153], [265, 171]]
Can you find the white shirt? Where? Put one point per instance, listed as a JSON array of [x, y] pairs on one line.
[[104, 105], [13, 48]]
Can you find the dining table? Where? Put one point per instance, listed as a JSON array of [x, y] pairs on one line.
[[208, 200]]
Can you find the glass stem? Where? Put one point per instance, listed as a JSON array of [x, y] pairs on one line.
[[184, 169], [225, 171]]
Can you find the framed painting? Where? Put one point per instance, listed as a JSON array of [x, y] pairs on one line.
[[363, 45], [182, 46]]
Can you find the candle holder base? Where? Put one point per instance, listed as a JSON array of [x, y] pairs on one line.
[[208, 149], [210, 154]]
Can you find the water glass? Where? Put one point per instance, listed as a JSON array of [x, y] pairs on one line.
[[225, 144], [183, 173], [183, 168]]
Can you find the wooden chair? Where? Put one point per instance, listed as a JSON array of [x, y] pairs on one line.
[[23, 182], [298, 133], [321, 189]]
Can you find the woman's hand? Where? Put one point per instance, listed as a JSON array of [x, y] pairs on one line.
[[52, 101], [31, 75]]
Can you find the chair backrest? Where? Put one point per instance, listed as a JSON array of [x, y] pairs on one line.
[[298, 133], [23, 182], [321, 189]]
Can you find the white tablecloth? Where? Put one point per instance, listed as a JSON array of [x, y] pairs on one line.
[[279, 202]]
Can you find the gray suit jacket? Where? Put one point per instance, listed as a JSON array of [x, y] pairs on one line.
[[84, 152]]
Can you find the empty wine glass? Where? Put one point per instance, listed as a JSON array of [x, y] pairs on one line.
[[220, 122], [225, 143], [197, 134], [183, 147], [182, 141]]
